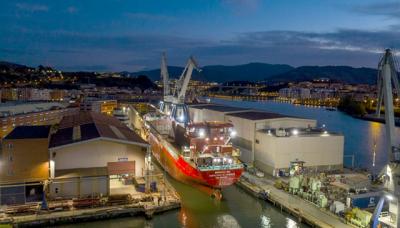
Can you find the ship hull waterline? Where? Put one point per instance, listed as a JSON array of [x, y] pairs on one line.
[[211, 181]]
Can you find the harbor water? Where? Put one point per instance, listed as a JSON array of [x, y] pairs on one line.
[[239, 209]]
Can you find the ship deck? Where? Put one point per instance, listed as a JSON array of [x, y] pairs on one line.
[[163, 128]]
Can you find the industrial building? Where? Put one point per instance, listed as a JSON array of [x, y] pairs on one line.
[[87, 150], [272, 141], [14, 114], [99, 105], [24, 164], [211, 112]]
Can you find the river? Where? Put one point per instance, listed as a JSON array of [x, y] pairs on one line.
[[238, 209]]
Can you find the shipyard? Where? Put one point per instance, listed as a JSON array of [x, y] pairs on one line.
[[104, 159], [199, 114]]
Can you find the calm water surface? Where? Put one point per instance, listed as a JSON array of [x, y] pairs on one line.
[[239, 209]]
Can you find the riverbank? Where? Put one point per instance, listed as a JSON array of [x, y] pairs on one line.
[[373, 118]]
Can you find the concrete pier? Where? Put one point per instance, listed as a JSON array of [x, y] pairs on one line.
[[304, 211], [144, 204], [44, 218]]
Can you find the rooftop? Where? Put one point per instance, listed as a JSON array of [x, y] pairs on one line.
[[219, 108], [258, 115], [89, 125], [29, 132], [300, 132], [16, 108]]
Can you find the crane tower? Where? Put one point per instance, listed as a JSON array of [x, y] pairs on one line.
[[173, 103], [387, 76]]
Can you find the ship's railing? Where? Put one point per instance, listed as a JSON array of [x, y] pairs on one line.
[[220, 167]]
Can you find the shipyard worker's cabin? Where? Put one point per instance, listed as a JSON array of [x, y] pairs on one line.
[[90, 149]]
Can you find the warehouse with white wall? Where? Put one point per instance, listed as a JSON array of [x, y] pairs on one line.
[[272, 141]]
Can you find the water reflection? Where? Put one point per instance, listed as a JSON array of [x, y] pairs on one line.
[[290, 223], [265, 221], [226, 221]]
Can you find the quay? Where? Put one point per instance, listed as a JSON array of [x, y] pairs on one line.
[[306, 212], [49, 218], [91, 214]]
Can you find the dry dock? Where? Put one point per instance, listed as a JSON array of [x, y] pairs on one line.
[[305, 212]]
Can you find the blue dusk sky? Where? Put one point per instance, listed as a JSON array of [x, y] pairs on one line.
[[130, 35]]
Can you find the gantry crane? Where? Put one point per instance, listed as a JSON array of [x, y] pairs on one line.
[[174, 102], [387, 74]]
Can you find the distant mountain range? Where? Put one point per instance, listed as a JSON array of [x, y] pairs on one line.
[[272, 73], [219, 73], [256, 72]]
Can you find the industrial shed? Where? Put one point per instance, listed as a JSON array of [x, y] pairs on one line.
[[272, 141], [88, 149]]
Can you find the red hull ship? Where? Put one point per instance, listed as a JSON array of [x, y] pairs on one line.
[[199, 153]]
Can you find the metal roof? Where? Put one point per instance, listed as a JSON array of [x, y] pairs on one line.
[[91, 126], [220, 108], [258, 115], [29, 132]]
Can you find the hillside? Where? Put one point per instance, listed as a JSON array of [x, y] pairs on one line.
[[338, 73], [220, 73], [273, 73], [247, 72], [8, 65]]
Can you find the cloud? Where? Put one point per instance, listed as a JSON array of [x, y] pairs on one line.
[[241, 7], [147, 16], [343, 39], [32, 7], [69, 49], [390, 9]]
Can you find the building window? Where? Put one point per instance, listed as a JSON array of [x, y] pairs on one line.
[[258, 142]]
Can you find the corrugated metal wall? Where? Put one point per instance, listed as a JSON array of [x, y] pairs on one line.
[[79, 187]]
